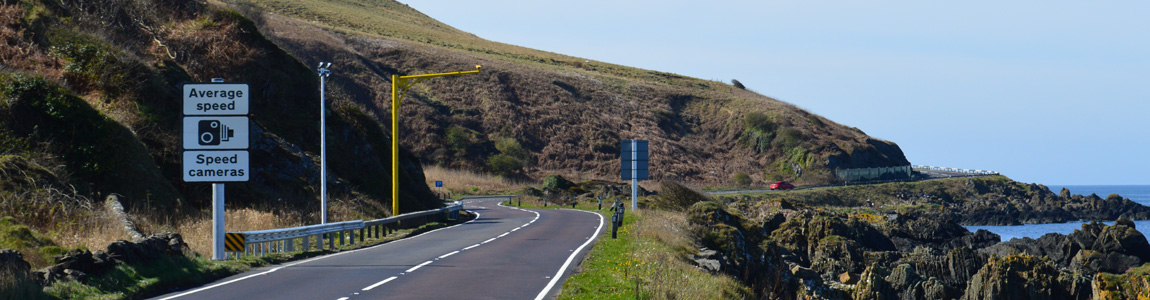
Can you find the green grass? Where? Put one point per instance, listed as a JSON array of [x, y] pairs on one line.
[[646, 261]]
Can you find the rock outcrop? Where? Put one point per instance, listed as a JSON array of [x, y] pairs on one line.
[[1093, 248], [78, 265]]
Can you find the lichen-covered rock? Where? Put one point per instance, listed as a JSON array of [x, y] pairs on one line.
[[1094, 248], [872, 285], [1019, 276]]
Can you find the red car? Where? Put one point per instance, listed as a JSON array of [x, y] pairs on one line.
[[781, 185]]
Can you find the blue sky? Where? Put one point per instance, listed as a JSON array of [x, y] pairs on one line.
[[1053, 92]]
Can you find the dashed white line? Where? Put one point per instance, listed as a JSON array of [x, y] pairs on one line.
[[344, 298], [503, 235], [488, 240], [417, 267], [368, 288], [472, 246], [449, 254]]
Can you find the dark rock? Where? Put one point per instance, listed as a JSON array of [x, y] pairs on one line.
[[1093, 248], [804, 272], [1019, 277], [872, 285], [902, 277], [13, 261]]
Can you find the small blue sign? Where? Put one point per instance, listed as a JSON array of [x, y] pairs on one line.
[[439, 183]]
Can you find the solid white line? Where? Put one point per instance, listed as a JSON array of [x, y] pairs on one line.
[[368, 288], [417, 267], [310, 260], [555, 279], [449, 254], [472, 246]]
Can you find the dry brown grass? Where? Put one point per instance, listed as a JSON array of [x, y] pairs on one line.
[[467, 182], [197, 231]]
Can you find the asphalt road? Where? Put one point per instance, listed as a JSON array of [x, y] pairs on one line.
[[505, 253]]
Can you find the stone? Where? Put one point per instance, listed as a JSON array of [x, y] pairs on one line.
[[848, 278], [804, 272]]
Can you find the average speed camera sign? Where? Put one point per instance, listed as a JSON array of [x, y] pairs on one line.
[[216, 127]]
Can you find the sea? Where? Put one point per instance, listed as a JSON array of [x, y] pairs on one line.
[[1136, 193]]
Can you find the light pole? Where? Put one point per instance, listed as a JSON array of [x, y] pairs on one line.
[[324, 72], [399, 86]]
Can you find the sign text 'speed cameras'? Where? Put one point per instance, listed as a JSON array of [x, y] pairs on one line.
[[212, 132]]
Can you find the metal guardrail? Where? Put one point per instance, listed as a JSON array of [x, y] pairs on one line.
[[263, 242], [954, 170]]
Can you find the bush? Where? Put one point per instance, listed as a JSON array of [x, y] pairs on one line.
[[741, 179], [736, 83], [458, 139], [504, 164], [758, 121], [676, 196], [557, 183]]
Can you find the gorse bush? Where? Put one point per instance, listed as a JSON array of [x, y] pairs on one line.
[[741, 179], [737, 84]]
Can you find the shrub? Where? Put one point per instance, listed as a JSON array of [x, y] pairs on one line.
[[758, 121], [511, 147], [741, 179], [458, 139], [504, 164], [557, 183], [676, 196], [736, 83]]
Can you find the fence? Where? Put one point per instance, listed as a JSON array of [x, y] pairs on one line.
[[263, 242], [867, 174]]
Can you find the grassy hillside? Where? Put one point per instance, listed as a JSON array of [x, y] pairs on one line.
[[567, 114], [90, 107]]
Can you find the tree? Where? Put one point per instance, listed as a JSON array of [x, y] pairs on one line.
[[741, 179]]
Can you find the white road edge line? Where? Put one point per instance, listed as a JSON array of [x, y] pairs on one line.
[[416, 267], [368, 288], [449, 254], [558, 275], [309, 260]]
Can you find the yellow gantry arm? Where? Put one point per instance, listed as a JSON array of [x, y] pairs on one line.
[[399, 87]]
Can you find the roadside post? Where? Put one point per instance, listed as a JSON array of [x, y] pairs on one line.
[[215, 142], [399, 87], [617, 217], [634, 159]]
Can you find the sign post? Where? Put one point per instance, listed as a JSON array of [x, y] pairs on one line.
[[215, 143], [634, 163]]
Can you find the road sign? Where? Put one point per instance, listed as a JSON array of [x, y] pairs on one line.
[[219, 130], [215, 133], [439, 183], [216, 166], [215, 99], [234, 241], [634, 157]]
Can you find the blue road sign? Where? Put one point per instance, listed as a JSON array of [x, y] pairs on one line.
[[439, 183], [634, 157]]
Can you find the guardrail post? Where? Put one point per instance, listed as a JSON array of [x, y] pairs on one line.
[[351, 237], [341, 237], [331, 240], [306, 243], [289, 245], [362, 234]]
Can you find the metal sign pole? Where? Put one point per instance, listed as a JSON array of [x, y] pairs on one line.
[[324, 71], [634, 175], [218, 222]]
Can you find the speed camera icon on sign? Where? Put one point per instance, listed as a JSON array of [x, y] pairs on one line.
[[212, 132]]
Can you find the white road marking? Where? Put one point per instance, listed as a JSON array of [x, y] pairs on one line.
[[558, 275], [368, 288], [472, 246], [344, 298], [488, 240], [417, 267], [449, 254], [503, 235]]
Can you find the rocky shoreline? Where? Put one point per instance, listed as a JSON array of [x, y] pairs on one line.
[[793, 251], [991, 200]]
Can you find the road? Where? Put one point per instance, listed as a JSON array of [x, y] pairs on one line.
[[505, 253]]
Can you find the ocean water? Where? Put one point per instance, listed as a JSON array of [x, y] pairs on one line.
[[1136, 193]]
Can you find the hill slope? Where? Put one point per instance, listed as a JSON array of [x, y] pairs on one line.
[[567, 114]]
